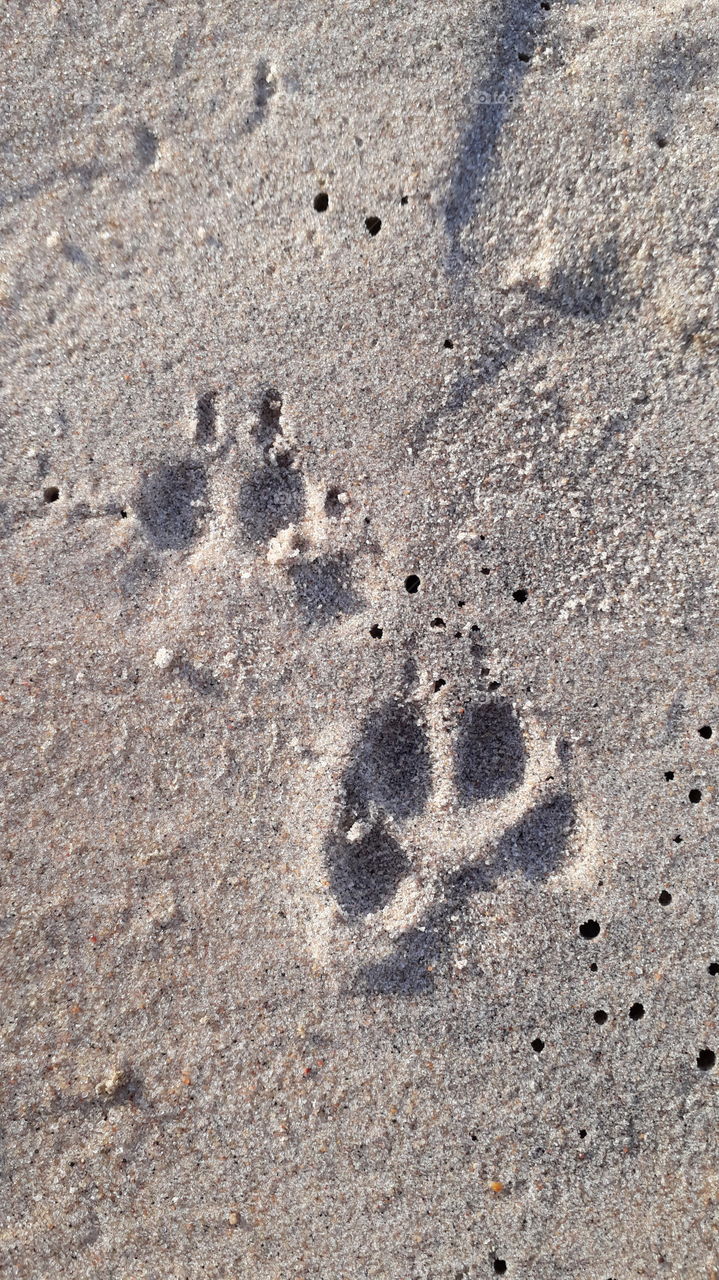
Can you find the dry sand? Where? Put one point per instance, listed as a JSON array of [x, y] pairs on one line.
[[359, 673]]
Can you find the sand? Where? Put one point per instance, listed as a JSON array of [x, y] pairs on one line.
[[359, 674]]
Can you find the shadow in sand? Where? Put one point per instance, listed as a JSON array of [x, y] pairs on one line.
[[493, 92]]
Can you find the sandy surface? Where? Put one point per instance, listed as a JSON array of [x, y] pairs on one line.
[[359, 672]]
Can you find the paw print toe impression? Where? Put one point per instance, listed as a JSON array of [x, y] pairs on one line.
[[388, 779], [170, 504], [366, 867], [490, 753], [393, 766]]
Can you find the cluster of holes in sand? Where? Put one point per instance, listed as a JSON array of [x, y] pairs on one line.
[[373, 224], [705, 731], [706, 1058], [412, 585], [590, 930]]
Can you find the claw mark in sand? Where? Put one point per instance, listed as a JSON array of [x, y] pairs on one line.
[[265, 86]]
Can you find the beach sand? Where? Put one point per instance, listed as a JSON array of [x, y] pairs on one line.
[[359, 676]]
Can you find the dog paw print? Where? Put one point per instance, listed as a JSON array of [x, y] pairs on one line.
[[272, 511], [427, 808], [169, 506]]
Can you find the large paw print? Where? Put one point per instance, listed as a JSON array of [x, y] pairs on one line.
[[421, 815]]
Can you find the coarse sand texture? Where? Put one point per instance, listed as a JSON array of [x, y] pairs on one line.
[[359, 677]]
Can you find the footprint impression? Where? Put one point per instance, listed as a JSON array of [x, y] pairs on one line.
[[433, 802], [280, 517]]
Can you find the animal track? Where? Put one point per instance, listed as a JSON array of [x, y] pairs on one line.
[[421, 819], [272, 498], [274, 509], [535, 846], [431, 801], [171, 502], [264, 88], [490, 752], [365, 872], [392, 766], [206, 418]]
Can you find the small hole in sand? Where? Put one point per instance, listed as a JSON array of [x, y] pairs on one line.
[[706, 1059], [123, 515], [636, 1012], [705, 731], [486, 572], [373, 225], [461, 604], [493, 686], [321, 201], [448, 344], [589, 929], [437, 622], [594, 966], [439, 684], [600, 1017], [661, 142], [695, 795], [665, 898], [520, 595], [500, 1266], [537, 1045], [376, 632], [582, 1133], [523, 57], [334, 506], [713, 968], [678, 839], [404, 200], [51, 494], [669, 775], [411, 584]]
